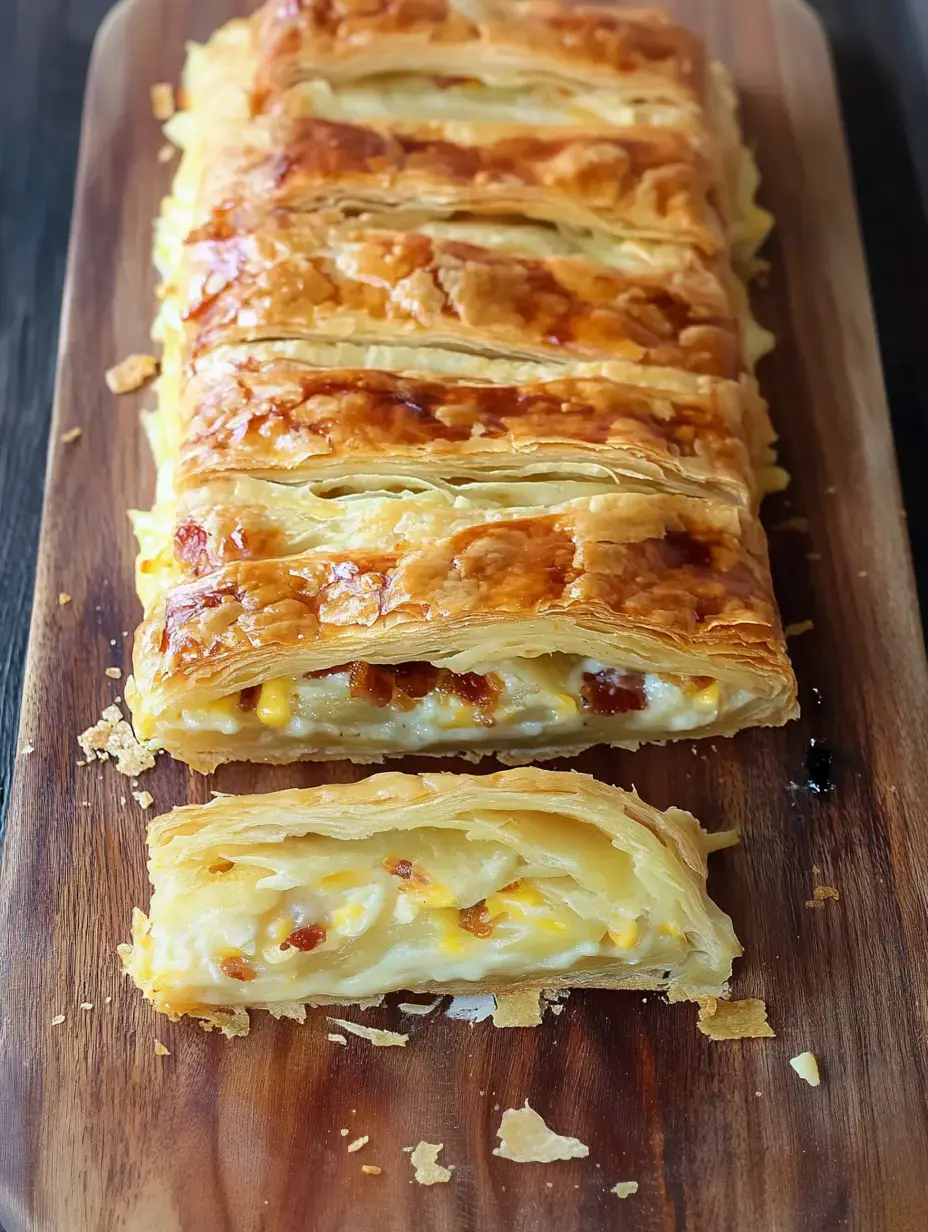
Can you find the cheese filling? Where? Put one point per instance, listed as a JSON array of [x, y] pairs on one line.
[[322, 916], [544, 700]]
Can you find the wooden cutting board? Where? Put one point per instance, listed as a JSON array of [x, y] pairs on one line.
[[99, 1133]]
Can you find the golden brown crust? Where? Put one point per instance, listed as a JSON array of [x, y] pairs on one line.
[[646, 182], [285, 419], [635, 51], [391, 286], [684, 578]]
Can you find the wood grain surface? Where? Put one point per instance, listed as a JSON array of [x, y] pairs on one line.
[[101, 1134]]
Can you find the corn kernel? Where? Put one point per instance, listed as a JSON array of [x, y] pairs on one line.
[[280, 929], [432, 895], [348, 879], [345, 918], [707, 698], [625, 935], [274, 708], [518, 901], [551, 925], [671, 930]]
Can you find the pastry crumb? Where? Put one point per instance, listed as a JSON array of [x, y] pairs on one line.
[[167, 152], [731, 1020], [418, 1007], [160, 1050], [86, 1005], [114, 673], [380, 1039], [57, 1020], [334, 1037], [371, 1169], [162, 100], [798, 628], [526, 1139], [624, 1189], [72, 434], [112, 736], [358, 1143], [26, 750], [143, 799], [821, 894], [344, 1132], [131, 373], [806, 1066], [797, 523], [424, 1159], [63, 598], [519, 1008]]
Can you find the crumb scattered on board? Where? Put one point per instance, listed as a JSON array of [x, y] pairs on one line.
[[160, 1050], [162, 100], [166, 153], [380, 1039], [424, 1159], [86, 1005], [63, 598], [526, 1139], [131, 373], [624, 1189], [418, 1007], [797, 523], [371, 1169], [806, 1066], [798, 628], [114, 673], [731, 1020], [26, 750], [112, 736], [358, 1143], [335, 1038], [57, 1020], [72, 434], [820, 895], [143, 799], [519, 1008]]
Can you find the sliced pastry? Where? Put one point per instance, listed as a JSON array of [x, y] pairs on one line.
[[430, 883]]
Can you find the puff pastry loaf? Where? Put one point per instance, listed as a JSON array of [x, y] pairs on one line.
[[432, 883], [459, 442]]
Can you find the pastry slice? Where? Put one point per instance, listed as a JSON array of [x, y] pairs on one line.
[[431, 883], [613, 619], [392, 287]]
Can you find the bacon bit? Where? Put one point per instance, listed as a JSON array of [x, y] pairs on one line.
[[398, 868], [305, 939], [237, 969], [63, 598], [222, 865], [72, 434], [612, 692], [446, 83], [471, 687], [374, 684], [328, 671], [162, 100], [476, 920], [131, 373], [415, 679], [248, 698]]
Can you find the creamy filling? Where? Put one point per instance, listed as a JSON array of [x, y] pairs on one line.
[[544, 700], [396, 910]]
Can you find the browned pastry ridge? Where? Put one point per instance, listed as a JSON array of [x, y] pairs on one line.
[[459, 442]]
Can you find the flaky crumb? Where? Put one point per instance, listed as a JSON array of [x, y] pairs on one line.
[[143, 799], [358, 1143], [519, 1008], [86, 1005], [624, 1189], [160, 1050], [114, 673], [162, 100], [335, 1038], [380, 1039], [26, 750], [57, 1020], [344, 1132], [796, 522], [131, 373], [371, 1169], [806, 1067], [72, 434], [821, 894], [113, 737], [424, 1159], [800, 627], [526, 1139], [730, 1020], [167, 152], [63, 598], [418, 1007]]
